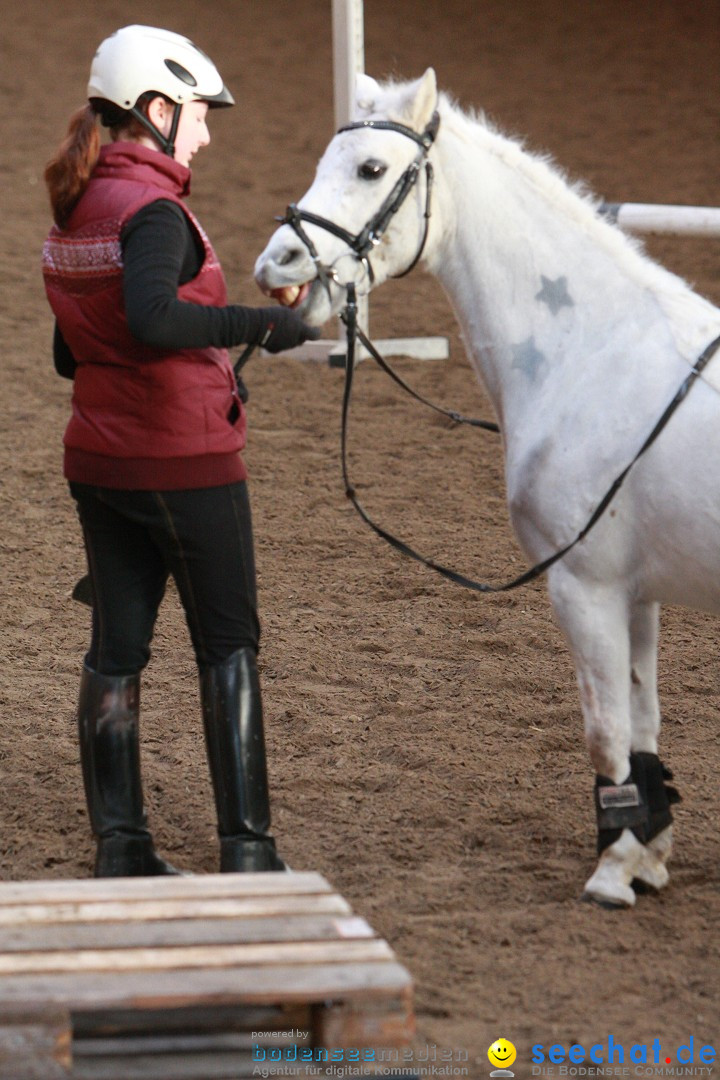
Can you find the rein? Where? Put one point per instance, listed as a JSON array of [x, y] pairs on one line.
[[353, 333]]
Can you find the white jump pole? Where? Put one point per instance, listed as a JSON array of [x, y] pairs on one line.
[[348, 63], [348, 39], [348, 56], [656, 218]]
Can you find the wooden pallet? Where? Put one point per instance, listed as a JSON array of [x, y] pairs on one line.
[[191, 979]]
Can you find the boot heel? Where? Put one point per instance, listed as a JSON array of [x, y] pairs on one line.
[[249, 855], [130, 856]]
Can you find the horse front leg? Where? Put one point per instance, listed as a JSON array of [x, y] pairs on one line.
[[645, 720], [597, 619]]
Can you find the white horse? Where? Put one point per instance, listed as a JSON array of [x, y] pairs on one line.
[[580, 341]]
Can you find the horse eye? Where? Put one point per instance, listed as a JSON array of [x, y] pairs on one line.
[[372, 170]]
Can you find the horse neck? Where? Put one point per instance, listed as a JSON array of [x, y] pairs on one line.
[[531, 272]]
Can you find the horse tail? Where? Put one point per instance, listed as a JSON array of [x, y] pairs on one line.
[[68, 172]]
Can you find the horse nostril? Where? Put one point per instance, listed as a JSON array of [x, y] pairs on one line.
[[288, 256]]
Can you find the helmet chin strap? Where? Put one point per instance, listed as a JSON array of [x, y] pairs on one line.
[[167, 143]]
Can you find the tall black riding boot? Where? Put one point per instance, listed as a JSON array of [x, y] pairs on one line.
[[108, 716], [233, 721]]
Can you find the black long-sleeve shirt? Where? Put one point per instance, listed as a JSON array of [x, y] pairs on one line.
[[161, 250]]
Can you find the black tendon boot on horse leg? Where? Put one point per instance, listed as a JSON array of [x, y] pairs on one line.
[[642, 804], [108, 716], [233, 721]]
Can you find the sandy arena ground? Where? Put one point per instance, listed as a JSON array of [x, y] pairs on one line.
[[425, 743]]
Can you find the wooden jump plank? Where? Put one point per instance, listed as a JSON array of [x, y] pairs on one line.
[[172, 1042], [35, 1045], [270, 1025], [179, 908], [57, 937], [66, 890], [246, 985], [235, 1056], [219, 1066], [186, 977], [375, 1023], [190, 957]]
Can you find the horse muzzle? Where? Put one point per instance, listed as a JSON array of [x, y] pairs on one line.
[[289, 276], [291, 296]]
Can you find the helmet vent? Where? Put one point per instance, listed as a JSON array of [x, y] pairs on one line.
[[181, 73]]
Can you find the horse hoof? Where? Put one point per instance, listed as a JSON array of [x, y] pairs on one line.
[[604, 902], [650, 876]]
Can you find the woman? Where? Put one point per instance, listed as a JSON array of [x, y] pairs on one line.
[[152, 446]]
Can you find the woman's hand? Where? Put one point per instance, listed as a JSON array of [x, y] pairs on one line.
[[284, 329]]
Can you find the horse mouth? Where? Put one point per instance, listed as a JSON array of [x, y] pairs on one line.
[[291, 296]]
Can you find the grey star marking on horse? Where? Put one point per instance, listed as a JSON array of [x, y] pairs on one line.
[[555, 294], [527, 358]]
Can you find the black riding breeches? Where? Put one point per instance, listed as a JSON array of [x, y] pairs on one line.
[[135, 540]]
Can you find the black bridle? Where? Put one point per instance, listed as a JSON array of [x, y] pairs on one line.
[[363, 242]]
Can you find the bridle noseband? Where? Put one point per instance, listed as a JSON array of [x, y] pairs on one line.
[[363, 242]]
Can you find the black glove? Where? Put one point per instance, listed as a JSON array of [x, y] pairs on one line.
[[284, 329]]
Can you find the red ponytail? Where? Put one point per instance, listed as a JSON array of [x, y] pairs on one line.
[[68, 173]]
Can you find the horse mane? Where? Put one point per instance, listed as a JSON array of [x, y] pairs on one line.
[[476, 129], [572, 198]]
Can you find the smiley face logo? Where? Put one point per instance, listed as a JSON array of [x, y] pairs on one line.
[[502, 1053]]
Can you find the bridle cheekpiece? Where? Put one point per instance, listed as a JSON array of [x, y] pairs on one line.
[[363, 242]]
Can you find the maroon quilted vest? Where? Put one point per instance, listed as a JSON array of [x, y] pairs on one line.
[[142, 417]]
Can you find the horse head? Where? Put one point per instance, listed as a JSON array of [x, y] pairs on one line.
[[364, 218]]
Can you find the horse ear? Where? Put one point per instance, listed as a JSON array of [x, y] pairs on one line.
[[367, 91], [425, 100]]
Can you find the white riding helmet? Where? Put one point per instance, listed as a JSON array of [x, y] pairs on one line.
[[137, 59]]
